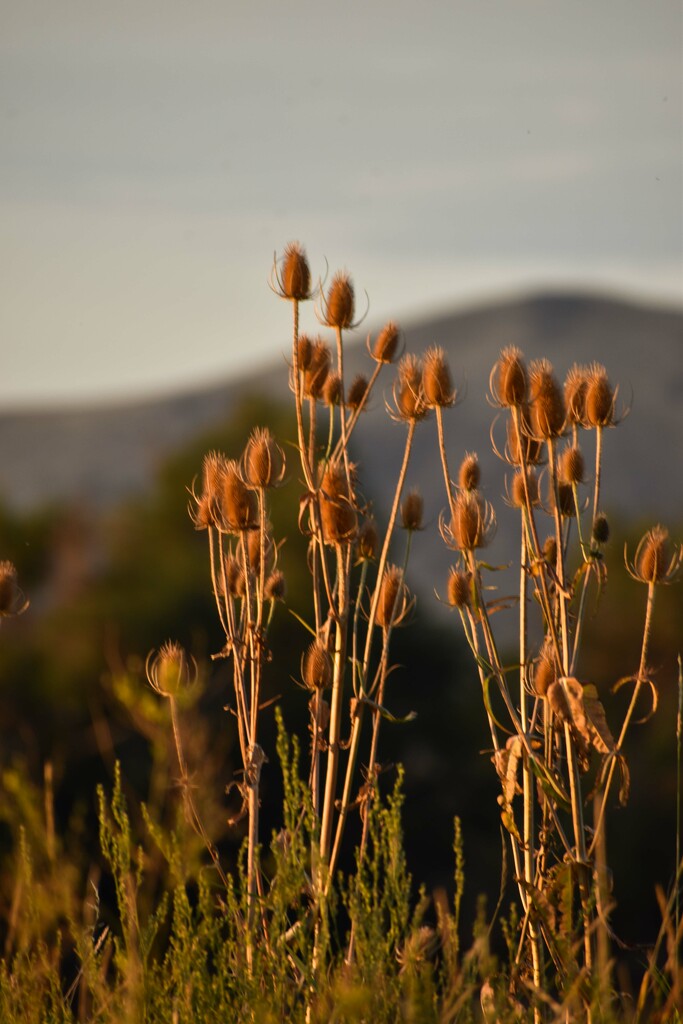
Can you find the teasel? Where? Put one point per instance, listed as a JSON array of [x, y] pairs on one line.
[[275, 587], [529, 451], [656, 560], [409, 398], [237, 503], [546, 402], [469, 474], [459, 588], [169, 670], [412, 510], [263, 461], [234, 578], [517, 496], [545, 671], [304, 349], [316, 667], [12, 599], [472, 522], [338, 307], [508, 379], [332, 390], [317, 370], [291, 276], [258, 543], [386, 344], [205, 512], [575, 386], [571, 466], [436, 379], [368, 541], [600, 531], [600, 398], [337, 508], [395, 601], [357, 392]]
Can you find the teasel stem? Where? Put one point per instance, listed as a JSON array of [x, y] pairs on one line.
[[598, 467], [342, 398], [444, 460], [214, 584], [559, 563], [353, 418], [647, 629]]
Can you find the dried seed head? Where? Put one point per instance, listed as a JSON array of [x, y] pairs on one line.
[[275, 588], [394, 601], [304, 351], [264, 460], [317, 370], [575, 386], [412, 510], [203, 512], [332, 390], [655, 561], [459, 588], [386, 345], [168, 670], [12, 599], [530, 449], [544, 673], [337, 512], [508, 379], [469, 474], [549, 551], [254, 550], [408, 393], [565, 499], [547, 406], [600, 531], [359, 386], [472, 521], [571, 466], [339, 305], [518, 495], [295, 276], [234, 577], [436, 378], [368, 541], [317, 667], [599, 398], [238, 507]]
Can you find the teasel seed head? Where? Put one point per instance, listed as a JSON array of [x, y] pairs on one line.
[[12, 599], [408, 392], [238, 506], [203, 512], [530, 448], [339, 305], [412, 510], [368, 541], [469, 473], [518, 493], [387, 343], [547, 405], [571, 466], [459, 588], [472, 522], [549, 551], [565, 499], [332, 390], [234, 577], [357, 390], [600, 532], [264, 460], [317, 667], [337, 511], [508, 381], [656, 560], [575, 385], [317, 370], [168, 669], [254, 550], [394, 599], [599, 398], [304, 352], [295, 275], [544, 672], [275, 587], [436, 378]]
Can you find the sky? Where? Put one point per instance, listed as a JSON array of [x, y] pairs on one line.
[[154, 156]]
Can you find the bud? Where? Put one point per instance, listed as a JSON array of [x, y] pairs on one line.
[[408, 392], [393, 598], [238, 506], [337, 512], [600, 528], [254, 550], [367, 541], [436, 378], [544, 674], [168, 670], [565, 499], [654, 561], [571, 466], [317, 370], [518, 497], [575, 386], [332, 390], [472, 521], [304, 351], [549, 551], [275, 587], [357, 391]]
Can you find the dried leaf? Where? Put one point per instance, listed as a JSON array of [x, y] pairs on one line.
[[603, 740]]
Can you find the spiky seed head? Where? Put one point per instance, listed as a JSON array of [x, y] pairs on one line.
[[599, 398], [368, 542], [436, 378], [565, 499], [264, 460], [654, 559], [337, 511], [203, 512], [275, 588], [234, 577], [408, 391], [469, 473], [238, 507], [459, 588], [317, 370], [575, 385], [12, 600], [304, 351], [295, 276], [518, 493], [332, 390], [530, 448], [544, 673], [317, 667], [547, 405], [168, 670], [340, 303], [509, 379], [572, 465], [549, 551], [412, 510], [393, 598], [600, 532], [471, 522], [359, 386], [386, 345], [254, 550]]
